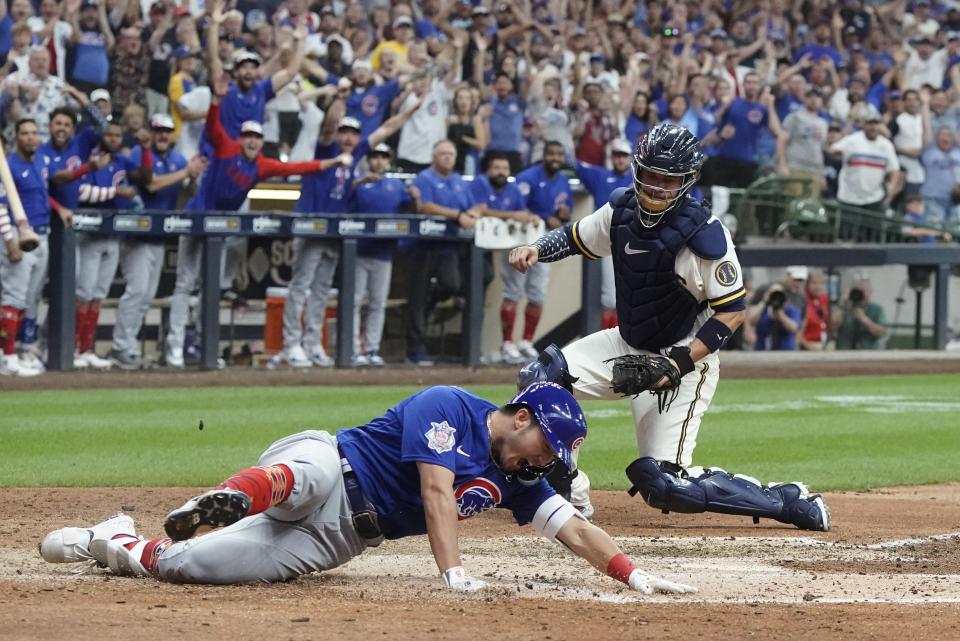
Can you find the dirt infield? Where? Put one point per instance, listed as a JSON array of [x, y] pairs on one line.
[[890, 569], [734, 365]]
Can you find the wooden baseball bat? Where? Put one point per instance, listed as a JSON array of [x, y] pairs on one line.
[[28, 238]]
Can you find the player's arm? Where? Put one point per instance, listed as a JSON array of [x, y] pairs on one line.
[[440, 510], [392, 125], [268, 167], [214, 64], [596, 547], [285, 75], [589, 237]]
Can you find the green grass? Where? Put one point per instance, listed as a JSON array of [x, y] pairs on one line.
[[838, 433]]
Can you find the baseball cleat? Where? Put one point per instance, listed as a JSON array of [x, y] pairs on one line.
[[297, 358], [10, 365], [375, 359], [93, 361], [320, 358], [510, 354], [216, 508], [527, 349], [806, 511], [72, 544], [114, 553]]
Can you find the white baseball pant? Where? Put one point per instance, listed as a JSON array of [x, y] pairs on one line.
[[314, 265], [142, 264], [97, 259], [21, 283], [373, 283]]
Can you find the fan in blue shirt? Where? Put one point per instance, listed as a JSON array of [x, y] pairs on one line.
[[545, 189]]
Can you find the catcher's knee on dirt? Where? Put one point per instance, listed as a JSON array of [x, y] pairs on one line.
[[667, 486], [551, 367]]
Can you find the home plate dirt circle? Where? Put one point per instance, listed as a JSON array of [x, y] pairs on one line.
[[889, 569]]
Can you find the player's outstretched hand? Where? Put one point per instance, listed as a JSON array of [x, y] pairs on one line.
[[456, 578], [648, 584], [523, 258]]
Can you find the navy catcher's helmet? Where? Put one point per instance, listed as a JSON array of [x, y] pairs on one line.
[[559, 416], [669, 151]]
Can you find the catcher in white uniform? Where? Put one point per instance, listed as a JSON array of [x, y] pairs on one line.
[[680, 297]]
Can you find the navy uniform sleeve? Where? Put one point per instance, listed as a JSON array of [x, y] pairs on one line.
[[433, 424]]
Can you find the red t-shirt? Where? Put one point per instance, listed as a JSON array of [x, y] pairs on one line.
[[818, 318]]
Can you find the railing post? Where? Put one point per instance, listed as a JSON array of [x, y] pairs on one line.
[[210, 301], [61, 326], [591, 282], [345, 301], [941, 289], [473, 310]]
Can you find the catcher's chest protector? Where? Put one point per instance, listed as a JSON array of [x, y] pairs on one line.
[[654, 308]]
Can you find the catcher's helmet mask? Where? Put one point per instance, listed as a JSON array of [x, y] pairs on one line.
[[670, 151]]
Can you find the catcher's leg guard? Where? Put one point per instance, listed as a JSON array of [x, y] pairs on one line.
[[668, 487]]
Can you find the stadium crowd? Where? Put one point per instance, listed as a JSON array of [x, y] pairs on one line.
[[126, 104]]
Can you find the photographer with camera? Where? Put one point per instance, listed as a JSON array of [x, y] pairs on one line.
[[776, 321], [859, 323]]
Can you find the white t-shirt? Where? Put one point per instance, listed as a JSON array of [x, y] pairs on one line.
[[715, 282], [919, 72], [188, 142], [61, 36], [866, 164], [910, 136], [427, 126]]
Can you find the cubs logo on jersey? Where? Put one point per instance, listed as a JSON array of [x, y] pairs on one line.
[[476, 496]]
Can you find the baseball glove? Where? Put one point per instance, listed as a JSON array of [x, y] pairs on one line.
[[636, 373]]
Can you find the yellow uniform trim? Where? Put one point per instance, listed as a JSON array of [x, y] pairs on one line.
[[693, 405], [579, 243], [727, 299]]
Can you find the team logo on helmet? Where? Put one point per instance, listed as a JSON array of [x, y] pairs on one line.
[[476, 496]]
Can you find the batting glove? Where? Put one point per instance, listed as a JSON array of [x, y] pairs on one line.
[[648, 584], [456, 579]]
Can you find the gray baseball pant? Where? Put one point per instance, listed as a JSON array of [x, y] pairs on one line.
[[142, 264], [97, 259], [21, 283], [314, 265], [373, 283], [189, 256], [534, 283], [312, 530]]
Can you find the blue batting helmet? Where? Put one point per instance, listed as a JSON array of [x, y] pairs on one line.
[[559, 416]]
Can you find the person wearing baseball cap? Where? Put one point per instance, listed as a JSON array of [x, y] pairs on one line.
[[100, 98], [235, 167], [438, 457], [376, 193], [870, 173], [601, 182], [247, 96], [403, 34], [141, 256], [315, 260], [182, 82], [91, 48], [800, 149]]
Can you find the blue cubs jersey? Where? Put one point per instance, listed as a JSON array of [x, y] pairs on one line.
[[507, 199], [747, 118], [72, 156], [237, 107], [172, 162], [30, 177], [601, 182], [113, 174], [328, 192], [450, 191], [371, 105], [385, 196], [444, 426], [544, 195]]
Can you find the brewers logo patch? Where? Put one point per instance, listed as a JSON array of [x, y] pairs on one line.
[[726, 273]]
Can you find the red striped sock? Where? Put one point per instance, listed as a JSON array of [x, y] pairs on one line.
[[508, 316], [531, 318], [81, 329], [150, 556], [9, 322], [266, 486], [93, 317]]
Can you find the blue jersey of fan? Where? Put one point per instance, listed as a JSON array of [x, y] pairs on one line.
[[444, 426]]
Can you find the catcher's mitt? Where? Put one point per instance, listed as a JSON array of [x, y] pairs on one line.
[[635, 373]]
